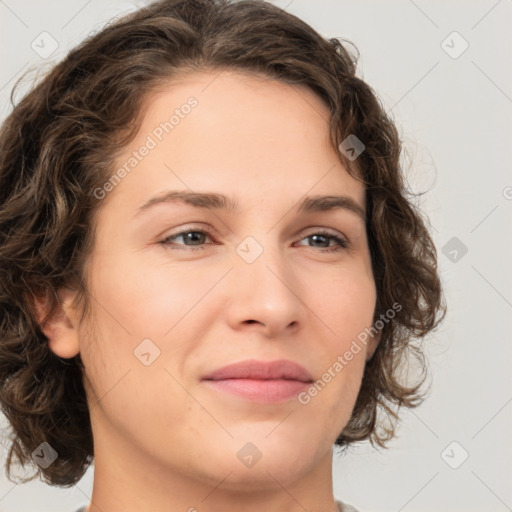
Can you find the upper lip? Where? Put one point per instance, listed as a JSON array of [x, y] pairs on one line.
[[263, 370]]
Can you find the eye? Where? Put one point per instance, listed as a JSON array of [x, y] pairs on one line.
[[194, 236], [324, 237], [194, 239]]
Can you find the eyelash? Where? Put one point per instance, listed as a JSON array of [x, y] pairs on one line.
[[342, 243]]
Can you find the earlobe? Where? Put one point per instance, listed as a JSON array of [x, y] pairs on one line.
[[372, 346], [61, 328]]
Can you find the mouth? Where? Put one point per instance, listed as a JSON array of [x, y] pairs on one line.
[[259, 381], [263, 391]]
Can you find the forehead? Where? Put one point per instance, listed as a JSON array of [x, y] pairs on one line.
[[245, 135]]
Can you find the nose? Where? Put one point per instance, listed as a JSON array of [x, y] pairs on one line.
[[265, 295]]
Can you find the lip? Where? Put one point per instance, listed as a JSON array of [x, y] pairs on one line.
[[262, 370], [260, 381]]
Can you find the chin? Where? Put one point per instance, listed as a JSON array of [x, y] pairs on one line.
[[257, 464], [261, 477]]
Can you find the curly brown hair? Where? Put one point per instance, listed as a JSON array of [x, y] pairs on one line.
[[60, 143]]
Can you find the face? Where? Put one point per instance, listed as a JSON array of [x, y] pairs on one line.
[[180, 290]]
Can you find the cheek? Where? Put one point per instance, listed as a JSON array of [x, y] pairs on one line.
[[146, 298], [134, 301], [346, 305]]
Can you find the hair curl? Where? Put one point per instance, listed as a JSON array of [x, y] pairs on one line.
[[60, 143]]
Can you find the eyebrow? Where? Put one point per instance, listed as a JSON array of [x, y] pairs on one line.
[[216, 201]]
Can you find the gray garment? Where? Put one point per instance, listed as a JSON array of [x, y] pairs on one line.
[[343, 507]]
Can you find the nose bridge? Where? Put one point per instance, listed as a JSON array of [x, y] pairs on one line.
[[261, 254], [265, 285]]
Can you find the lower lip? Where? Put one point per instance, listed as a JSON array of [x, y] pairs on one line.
[[261, 391]]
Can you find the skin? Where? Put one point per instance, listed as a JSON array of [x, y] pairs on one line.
[[163, 440]]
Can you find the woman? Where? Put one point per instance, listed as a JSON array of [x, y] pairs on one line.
[[210, 268]]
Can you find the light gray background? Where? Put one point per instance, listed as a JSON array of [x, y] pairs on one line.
[[454, 116]]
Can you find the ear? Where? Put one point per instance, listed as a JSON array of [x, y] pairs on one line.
[[372, 345], [61, 328]]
